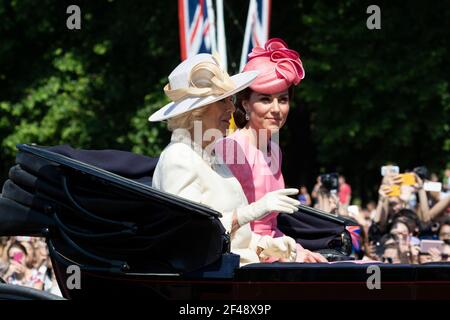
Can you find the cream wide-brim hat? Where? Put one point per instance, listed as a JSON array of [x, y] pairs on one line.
[[179, 78]]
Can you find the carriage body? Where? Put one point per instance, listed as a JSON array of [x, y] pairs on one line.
[[98, 212]]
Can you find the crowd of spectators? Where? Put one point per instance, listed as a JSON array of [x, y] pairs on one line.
[[406, 224], [393, 229], [25, 261]]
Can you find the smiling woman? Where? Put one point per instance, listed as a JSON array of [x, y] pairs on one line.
[[198, 115], [252, 153], [269, 111]]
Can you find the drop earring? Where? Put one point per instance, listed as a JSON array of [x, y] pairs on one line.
[[247, 116]]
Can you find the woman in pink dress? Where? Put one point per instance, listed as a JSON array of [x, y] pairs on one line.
[[252, 152]]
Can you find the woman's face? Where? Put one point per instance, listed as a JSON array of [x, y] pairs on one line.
[[395, 204], [40, 250], [390, 255], [217, 115], [400, 231], [446, 252], [267, 111], [444, 233], [425, 258], [29, 247]]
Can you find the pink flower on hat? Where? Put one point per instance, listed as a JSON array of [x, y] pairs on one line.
[[288, 65], [278, 67]]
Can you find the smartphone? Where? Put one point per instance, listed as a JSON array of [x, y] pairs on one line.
[[395, 191], [432, 186], [425, 245], [353, 210], [18, 257], [379, 249], [408, 179], [23, 238], [389, 169]]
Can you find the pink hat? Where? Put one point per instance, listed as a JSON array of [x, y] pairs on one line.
[[278, 66]]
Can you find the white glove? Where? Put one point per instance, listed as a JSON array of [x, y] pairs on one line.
[[283, 247], [273, 201]]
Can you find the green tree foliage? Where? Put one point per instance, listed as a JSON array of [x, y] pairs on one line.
[[91, 88], [371, 96]]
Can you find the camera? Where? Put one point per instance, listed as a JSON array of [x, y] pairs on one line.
[[422, 172], [379, 249], [330, 181]]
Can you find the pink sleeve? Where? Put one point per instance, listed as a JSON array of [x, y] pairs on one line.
[[230, 152]]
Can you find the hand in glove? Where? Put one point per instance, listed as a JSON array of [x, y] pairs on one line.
[[282, 247], [273, 201], [306, 256]]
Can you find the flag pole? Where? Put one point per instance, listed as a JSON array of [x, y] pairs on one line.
[[248, 32], [182, 26], [221, 39], [212, 25]]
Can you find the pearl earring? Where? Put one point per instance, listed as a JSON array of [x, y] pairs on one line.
[[247, 116]]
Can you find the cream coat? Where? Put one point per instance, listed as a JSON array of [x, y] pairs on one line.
[[186, 170]]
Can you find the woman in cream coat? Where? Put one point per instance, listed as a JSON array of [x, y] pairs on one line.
[[198, 116]]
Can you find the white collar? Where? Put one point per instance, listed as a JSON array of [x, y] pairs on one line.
[[183, 136]]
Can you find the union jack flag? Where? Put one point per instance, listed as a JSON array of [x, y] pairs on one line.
[[197, 34], [355, 233], [257, 28]]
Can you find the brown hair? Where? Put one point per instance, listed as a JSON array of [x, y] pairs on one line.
[[17, 244], [239, 114]]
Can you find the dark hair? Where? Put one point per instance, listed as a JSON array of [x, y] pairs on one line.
[[383, 242], [403, 221], [422, 172], [444, 222], [409, 218], [239, 114], [17, 244]]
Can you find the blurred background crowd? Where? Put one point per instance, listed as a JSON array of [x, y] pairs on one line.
[[25, 261], [409, 222]]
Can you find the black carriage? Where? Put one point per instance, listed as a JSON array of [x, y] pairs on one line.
[[99, 213]]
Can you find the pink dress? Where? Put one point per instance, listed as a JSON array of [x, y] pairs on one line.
[[258, 173]]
